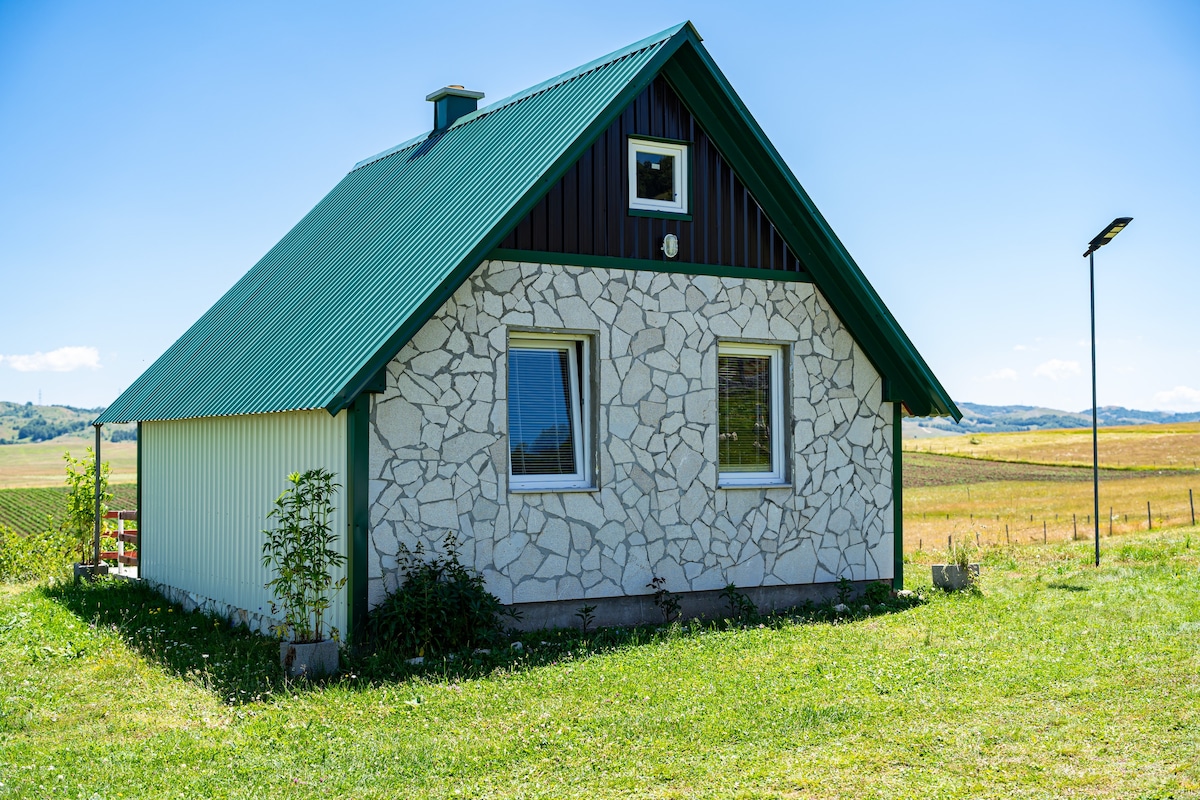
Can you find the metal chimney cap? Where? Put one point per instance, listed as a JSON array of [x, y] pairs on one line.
[[453, 91]]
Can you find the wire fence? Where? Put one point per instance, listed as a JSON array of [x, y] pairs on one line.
[[925, 531]]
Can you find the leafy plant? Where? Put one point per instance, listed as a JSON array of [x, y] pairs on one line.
[[845, 590], [442, 606], [877, 592], [666, 601], [299, 549], [587, 615], [80, 521], [740, 606], [27, 557]]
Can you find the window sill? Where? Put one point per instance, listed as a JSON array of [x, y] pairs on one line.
[[656, 213], [552, 489], [762, 485]]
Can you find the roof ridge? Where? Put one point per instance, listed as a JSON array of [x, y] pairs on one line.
[[544, 86]]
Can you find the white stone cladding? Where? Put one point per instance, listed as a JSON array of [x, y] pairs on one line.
[[439, 460]]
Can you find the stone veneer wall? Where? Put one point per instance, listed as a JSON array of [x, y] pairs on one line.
[[438, 457]]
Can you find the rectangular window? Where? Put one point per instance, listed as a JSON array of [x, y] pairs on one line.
[[548, 412], [750, 436], [657, 176]]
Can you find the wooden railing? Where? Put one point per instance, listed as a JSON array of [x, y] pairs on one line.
[[123, 538]]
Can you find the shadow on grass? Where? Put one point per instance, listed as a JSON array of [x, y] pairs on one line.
[[243, 667], [1068, 587], [237, 665]]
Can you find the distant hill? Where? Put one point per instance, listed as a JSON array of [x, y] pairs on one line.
[[1001, 419], [21, 424]]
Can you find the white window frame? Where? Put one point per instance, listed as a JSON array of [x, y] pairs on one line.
[[579, 366], [777, 475], [680, 153]]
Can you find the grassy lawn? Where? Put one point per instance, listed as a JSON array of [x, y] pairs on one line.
[[1058, 680]]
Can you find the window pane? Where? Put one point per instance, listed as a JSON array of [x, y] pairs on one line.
[[655, 176], [744, 409], [539, 412]]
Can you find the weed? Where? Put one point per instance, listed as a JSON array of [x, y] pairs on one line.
[[666, 601], [587, 616], [845, 590], [741, 607]]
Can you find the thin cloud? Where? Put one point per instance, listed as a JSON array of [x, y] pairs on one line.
[[1057, 369], [1020, 348], [64, 359], [1179, 396], [1006, 374]]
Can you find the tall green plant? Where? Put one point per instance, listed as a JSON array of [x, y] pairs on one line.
[[80, 521], [299, 549]]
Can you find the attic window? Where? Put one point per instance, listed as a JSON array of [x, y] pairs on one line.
[[658, 176]]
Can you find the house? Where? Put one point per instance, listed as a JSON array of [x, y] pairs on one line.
[[596, 329]]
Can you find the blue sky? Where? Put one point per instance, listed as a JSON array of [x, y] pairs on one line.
[[965, 153]]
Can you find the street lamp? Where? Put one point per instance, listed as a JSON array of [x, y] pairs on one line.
[[1105, 236]]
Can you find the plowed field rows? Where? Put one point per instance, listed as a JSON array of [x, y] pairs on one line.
[[39, 509]]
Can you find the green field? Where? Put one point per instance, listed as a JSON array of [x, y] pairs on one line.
[[41, 464], [27, 510], [1059, 680]]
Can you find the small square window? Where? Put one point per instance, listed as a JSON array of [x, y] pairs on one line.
[[549, 440], [750, 400], [657, 176]]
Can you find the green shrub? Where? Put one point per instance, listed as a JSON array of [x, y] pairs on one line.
[[877, 592], [441, 607], [34, 556]]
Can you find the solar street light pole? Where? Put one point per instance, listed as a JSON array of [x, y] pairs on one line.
[[1105, 236]]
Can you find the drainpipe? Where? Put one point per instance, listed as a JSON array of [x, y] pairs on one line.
[[96, 537]]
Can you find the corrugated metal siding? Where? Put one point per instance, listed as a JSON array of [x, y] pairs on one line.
[[587, 211], [297, 328], [207, 487]]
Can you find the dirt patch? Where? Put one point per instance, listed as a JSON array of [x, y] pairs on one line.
[[923, 469]]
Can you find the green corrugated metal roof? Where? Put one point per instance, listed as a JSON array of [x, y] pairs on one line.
[[327, 307]]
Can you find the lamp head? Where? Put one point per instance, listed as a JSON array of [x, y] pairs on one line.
[[1106, 235]]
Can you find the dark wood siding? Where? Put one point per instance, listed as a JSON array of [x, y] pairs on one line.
[[587, 212]]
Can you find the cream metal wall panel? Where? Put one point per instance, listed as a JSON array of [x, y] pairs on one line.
[[208, 485]]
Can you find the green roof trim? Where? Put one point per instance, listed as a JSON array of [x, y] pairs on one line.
[[318, 317]]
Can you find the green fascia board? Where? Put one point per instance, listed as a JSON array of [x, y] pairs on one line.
[[336, 298], [742, 141]]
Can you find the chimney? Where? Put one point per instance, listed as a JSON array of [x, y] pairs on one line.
[[450, 103]]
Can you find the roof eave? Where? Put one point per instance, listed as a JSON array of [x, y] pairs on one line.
[[676, 37]]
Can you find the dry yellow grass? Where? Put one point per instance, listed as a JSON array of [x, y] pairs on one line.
[[1141, 446], [41, 464], [962, 511]]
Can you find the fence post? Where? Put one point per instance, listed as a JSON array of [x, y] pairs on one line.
[[1007, 540], [1043, 531], [1149, 519], [1075, 524], [1192, 503], [1110, 522]]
